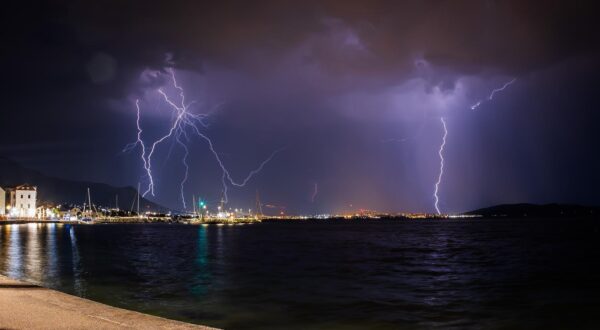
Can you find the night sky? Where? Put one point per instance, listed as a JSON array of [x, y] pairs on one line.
[[352, 90]]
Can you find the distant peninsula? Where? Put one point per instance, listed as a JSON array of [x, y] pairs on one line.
[[553, 210]]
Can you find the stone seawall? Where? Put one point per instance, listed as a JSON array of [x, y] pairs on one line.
[[27, 306]]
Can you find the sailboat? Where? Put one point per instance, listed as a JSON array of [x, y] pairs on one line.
[[137, 198], [88, 217]]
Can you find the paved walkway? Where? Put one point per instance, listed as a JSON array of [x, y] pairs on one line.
[[27, 306]]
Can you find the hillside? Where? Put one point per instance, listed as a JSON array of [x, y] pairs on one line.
[[534, 210], [59, 191]]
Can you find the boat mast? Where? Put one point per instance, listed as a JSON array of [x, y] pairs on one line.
[[89, 199], [194, 204], [138, 199], [258, 206]]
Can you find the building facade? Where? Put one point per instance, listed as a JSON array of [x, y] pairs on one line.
[[2, 202], [22, 201]]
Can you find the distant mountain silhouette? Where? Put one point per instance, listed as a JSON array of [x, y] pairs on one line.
[[62, 191], [534, 210]]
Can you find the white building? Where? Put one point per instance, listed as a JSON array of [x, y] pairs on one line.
[[22, 201], [2, 201]]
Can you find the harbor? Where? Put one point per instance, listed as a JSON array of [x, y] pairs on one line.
[[20, 204]]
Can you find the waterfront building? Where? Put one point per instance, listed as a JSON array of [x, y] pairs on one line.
[[2, 202], [22, 201], [47, 211]]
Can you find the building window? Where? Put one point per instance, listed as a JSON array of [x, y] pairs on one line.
[[21, 195], [29, 196]]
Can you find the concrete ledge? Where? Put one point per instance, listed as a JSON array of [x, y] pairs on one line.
[[27, 306]]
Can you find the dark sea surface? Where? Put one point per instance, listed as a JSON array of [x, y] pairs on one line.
[[488, 274]]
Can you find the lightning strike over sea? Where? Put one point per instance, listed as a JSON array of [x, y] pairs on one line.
[[441, 149], [441, 173], [183, 120]]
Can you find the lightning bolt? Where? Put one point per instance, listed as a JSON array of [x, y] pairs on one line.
[[225, 188], [441, 173], [139, 140], [184, 121], [494, 91], [476, 105], [501, 88], [441, 150], [315, 192], [186, 166], [226, 174]]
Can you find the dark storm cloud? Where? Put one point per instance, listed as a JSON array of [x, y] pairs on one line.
[[465, 36]]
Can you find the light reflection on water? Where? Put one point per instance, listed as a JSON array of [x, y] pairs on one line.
[[51, 265], [32, 251], [324, 275], [14, 252], [76, 263], [35, 252], [203, 275]]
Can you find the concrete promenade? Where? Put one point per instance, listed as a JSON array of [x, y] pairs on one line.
[[27, 306]]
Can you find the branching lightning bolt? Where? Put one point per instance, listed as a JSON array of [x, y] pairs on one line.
[[226, 175], [441, 173], [491, 97], [184, 120]]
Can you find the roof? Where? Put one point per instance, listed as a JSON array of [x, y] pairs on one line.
[[25, 186]]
